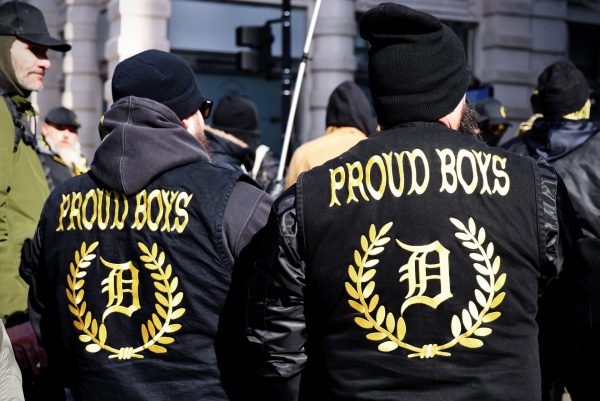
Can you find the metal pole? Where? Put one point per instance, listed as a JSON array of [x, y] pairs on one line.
[[297, 89], [286, 61]]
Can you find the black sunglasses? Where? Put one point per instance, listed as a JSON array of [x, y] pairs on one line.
[[206, 108]]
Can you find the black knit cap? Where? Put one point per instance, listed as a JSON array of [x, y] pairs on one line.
[[417, 65], [238, 116], [562, 89], [160, 76]]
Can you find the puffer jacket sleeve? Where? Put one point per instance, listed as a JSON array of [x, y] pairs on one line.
[[566, 304], [10, 375], [557, 222], [276, 321]]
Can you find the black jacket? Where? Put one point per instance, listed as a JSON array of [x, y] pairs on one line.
[[339, 309], [226, 153], [134, 288], [572, 148]]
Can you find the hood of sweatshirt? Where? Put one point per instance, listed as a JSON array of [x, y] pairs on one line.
[[349, 107], [226, 150], [142, 140], [554, 138]]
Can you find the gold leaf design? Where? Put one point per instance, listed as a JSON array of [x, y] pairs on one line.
[[368, 275], [401, 328], [355, 305], [498, 300], [374, 302], [363, 243], [153, 332], [387, 346], [473, 310], [455, 326], [376, 336], [380, 315], [369, 289], [352, 274], [93, 348], [470, 342], [364, 323], [351, 291], [473, 317], [480, 298], [490, 317], [390, 322], [483, 331], [389, 331], [162, 321]]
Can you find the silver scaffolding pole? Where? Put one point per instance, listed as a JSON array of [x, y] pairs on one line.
[[296, 94]]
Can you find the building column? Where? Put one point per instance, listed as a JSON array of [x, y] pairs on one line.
[[82, 92], [333, 60], [50, 96], [134, 26]]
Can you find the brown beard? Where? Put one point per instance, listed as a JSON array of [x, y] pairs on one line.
[[468, 122]]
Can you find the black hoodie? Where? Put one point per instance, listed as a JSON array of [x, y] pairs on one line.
[[137, 264]]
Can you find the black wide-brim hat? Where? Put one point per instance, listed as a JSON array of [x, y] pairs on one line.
[[27, 23]]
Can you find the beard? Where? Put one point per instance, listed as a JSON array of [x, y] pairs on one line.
[[70, 155], [468, 122]]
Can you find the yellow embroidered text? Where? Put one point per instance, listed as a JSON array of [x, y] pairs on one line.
[[159, 209]]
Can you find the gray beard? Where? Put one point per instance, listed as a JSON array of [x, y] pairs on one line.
[[70, 156]]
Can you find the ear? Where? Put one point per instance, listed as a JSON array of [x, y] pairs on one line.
[[44, 129], [189, 120], [452, 120]]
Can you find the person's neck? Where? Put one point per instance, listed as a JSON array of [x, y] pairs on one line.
[[10, 89]]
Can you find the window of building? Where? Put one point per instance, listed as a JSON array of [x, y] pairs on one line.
[[584, 52], [203, 32]]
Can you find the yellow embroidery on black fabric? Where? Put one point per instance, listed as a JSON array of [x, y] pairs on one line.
[[114, 285], [154, 331], [415, 273], [391, 331]]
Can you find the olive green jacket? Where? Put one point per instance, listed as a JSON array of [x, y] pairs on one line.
[[23, 191]]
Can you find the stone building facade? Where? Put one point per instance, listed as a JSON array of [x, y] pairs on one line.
[[508, 43]]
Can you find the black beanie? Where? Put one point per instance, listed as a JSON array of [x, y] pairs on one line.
[[562, 89], [417, 66], [160, 76], [238, 116]]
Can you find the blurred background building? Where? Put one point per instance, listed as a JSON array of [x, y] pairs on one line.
[[508, 43]]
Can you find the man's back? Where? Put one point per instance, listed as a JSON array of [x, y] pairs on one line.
[[572, 148], [134, 268], [421, 260]]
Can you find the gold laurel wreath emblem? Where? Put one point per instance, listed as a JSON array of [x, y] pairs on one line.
[[391, 331], [153, 332]]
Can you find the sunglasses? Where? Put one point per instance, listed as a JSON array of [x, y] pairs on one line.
[[206, 108]]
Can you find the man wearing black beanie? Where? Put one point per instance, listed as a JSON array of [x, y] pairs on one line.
[[408, 268], [569, 140], [136, 265]]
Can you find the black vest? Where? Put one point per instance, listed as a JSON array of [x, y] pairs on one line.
[[140, 284], [423, 259]]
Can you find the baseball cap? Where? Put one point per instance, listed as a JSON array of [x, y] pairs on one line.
[[492, 111], [27, 22], [62, 116]]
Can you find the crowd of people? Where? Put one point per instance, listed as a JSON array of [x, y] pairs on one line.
[[411, 257]]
